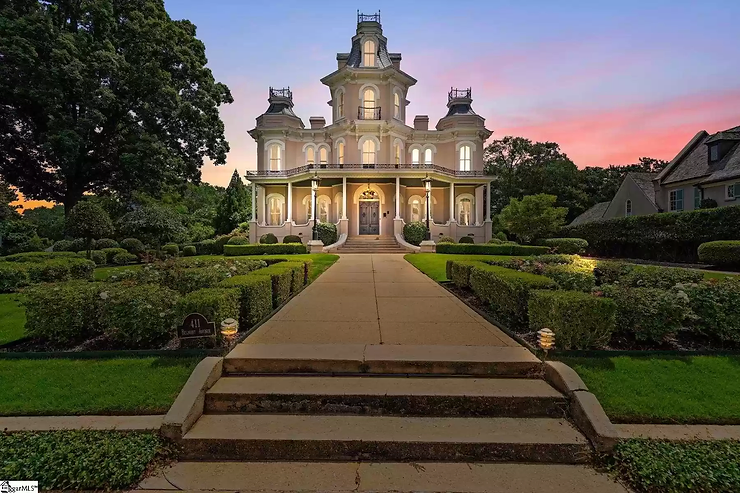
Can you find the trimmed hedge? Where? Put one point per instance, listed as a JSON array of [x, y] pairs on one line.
[[208, 247], [255, 298], [104, 243], [415, 232], [281, 276], [673, 237], [186, 280], [238, 240], [97, 256], [446, 239], [720, 253], [171, 249], [467, 240], [112, 252], [507, 291], [327, 233], [62, 246], [189, 251], [133, 245], [292, 239], [459, 272], [265, 239], [716, 308], [36, 256], [216, 304], [264, 249], [649, 276], [124, 258], [15, 275], [570, 246], [490, 249], [579, 320], [63, 314], [571, 277]]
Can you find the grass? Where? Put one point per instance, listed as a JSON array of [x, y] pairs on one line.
[[434, 264], [718, 275], [88, 386], [12, 317], [653, 389], [80, 460], [654, 466]]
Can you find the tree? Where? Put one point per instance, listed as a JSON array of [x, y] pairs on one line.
[[235, 206], [533, 217], [7, 197], [104, 95], [89, 221], [49, 221], [153, 224]]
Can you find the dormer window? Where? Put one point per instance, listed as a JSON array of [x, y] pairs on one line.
[[713, 153], [368, 53]]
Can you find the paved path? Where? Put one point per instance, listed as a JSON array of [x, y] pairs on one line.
[[378, 299]]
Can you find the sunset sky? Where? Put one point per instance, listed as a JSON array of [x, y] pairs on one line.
[[608, 81]]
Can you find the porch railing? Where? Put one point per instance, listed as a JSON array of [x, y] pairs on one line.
[[364, 167]]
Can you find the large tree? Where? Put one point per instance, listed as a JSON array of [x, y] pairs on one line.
[[235, 206], [7, 197], [103, 95]]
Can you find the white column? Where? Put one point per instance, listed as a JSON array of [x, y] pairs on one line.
[[313, 202], [289, 217], [452, 202], [254, 201], [488, 201], [398, 197], [344, 198], [264, 206]]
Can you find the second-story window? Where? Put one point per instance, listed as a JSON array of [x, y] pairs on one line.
[[428, 156], [323, 156], [396, 106], [368, 53], [368, 104], [466, 161], [340, 153], [415, 154], [368, 152], [274, 157], [397, 153], [310, 155], [340, 104]]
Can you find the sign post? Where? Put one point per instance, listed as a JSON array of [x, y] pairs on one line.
[[196, 325]]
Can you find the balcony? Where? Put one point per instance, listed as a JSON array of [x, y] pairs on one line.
[[380, 167], [368, 113]]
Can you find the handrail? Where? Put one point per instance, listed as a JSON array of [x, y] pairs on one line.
[[365, 167]]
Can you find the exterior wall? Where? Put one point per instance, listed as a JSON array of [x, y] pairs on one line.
[[629, 190]]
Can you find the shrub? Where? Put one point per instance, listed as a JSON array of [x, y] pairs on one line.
[[89, 221], [266, 239], [207, 247], [133, 245], [467, 239], [112, 252], [255, 298], [139, 316], [62, 246], [277, 249], [218, 248], [59, 269], [281, 276], [533, 217], [445, 239], [708, 204], [571, 277], [236, 266], [649, 314], [415, 232], [495, 241], [62, 314], [189, 251], [13, 276], [653, 276], [153, 224], [715, 307], [124, 258], [720, 253], [292, 239], [106, 243], [79, 244], [327, 233], [171, 249], [670, 237], [459, 272], [575, 246], [489, 249], [501, 236], [579, 320], [507, 291], [36, 256], [216, 304], [187, 280], [97, 256], [239, 240]]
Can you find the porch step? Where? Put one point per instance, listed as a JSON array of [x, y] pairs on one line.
[[342, 359], [370, 244], [383, 438], [378, 395]]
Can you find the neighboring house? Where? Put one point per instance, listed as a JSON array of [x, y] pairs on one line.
[[708, 167], [371, 164]]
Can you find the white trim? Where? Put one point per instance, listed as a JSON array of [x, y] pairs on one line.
[[373, 187], [281, 145], [340, 90], [375, 89], [432, 147], [465, 142], [401, 143]]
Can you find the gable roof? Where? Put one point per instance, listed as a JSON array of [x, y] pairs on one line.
[[645, 182], [693, 160], [595, 213]]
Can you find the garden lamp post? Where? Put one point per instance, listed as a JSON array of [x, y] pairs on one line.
[[546, 339], [315, 181], [428, 187]]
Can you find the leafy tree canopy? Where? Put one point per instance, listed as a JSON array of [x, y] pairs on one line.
[[235, 207], [49, 221], [103, 96], [153, 224], [89, 221], [533, 217], [7, 197]]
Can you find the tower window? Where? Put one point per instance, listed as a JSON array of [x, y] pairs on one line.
[[465, 158], [396, 105], [340, 105], [340, 153], [428, 156], [368, 152], [274, 157], [368, 53]]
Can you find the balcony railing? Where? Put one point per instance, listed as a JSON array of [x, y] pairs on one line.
[[459, 94], [285, 92], [368, 17], [380, 167], [368, 113]]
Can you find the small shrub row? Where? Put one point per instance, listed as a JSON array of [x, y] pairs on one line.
[[16, 275], [650, 276], [36, 256], [720, 253], [264, 249], [491, 249]]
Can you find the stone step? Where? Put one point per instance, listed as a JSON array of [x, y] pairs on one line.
[[383, 438], [378, 395], [381, 359]]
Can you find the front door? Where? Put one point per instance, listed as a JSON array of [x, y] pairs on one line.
[[369, 217]]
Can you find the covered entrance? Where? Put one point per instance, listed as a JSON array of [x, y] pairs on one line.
[[369, 217]]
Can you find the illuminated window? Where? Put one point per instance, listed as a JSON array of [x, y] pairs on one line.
[[340, 104], [396, 105], [428, 156], [368, 53], [415, 156], [465, 158], [274, 156], [397, 153], [323, 156], [464, 211], [276, 206], [368, 152], [340, 153], [368, 104], [310, 155]]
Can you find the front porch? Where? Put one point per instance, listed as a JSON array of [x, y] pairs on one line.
[[372, 204]]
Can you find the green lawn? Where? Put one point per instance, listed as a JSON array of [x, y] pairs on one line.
[[434, 264], [85, 386], [685, 389], [12, 317], [717, 275]]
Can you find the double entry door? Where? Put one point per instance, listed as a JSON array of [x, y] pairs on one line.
[[369, 217]]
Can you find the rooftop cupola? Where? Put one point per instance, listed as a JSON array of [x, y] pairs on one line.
[[281, 102], [369, 23], [459, 102]]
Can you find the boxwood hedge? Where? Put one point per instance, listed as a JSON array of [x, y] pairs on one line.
[[264, 249], [255, 297], [490, 249], [567, 245], [720, 253]]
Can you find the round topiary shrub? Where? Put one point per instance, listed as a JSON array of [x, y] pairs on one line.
[[207, 247], [415, 232], [720, 253], [567, 246], [62, 246], [268, 239], [97, 256], [124, 258], [78, 244], [292, 239], [327, 233], [133, 245], [106, 243], [446, 239], [189, 251], [467, 239], [171, 249], [220, 241], [501, 236], [241, 240]]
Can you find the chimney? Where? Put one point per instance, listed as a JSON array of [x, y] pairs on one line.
[[317, 122], [421, 122]]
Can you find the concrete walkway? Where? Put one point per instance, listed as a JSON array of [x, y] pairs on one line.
[[378, 299]]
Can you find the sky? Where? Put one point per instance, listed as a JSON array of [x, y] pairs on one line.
[[608, 81]]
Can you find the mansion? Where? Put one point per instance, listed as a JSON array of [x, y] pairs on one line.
[[370, 165]]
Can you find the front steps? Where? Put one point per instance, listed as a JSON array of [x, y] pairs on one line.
[[384, 403], [370, 244]]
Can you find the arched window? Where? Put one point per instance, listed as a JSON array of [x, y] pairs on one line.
[[340, 104], [466, 161], [310, 155], [397, 153], [628, 208], [428, 156], [323, 206], [464, 211], [340, 153], [273, 154], [323, 156], [415, 209], [396, 105], [415, 154], [275, 208], [368, 152], [368, 104], [368, 53]]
